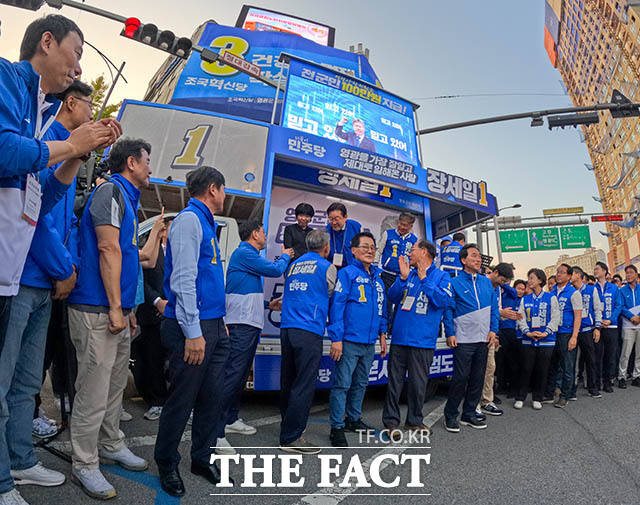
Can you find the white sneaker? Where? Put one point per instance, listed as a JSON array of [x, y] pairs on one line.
[[125, 458], [240, 427], [224, 447], [518, 404], [38, 475], [153, 414], [93, 483], [42, 428], [12, 498], [124, 415], [537, 405]]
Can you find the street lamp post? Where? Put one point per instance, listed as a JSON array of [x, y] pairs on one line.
[[496, 229]]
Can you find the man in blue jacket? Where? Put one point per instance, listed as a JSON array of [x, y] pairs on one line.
[[358, 317], [630, 295], [49, 265], [193, 332], [99, 311], [422, 293], [451, 255], [308, 286], [341, 230], [49, 62], [607, 346], [470, 325], [245, 306]]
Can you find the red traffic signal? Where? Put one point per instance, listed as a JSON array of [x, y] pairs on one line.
[[164, 40], [607, 218]]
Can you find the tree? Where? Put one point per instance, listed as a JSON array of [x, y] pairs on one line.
[[100, 88]]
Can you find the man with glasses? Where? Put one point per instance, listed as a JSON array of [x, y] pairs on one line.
[[358, 317], [341, 231]]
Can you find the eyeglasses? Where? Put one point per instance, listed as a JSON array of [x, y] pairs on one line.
[[367, 247], [90, 102]]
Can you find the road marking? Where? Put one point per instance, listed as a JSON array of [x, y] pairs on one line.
[[147, 440], [337, 494]]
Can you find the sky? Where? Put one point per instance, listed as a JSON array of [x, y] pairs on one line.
[[420, 49]]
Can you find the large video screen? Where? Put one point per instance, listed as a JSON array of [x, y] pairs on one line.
[[321, 102], [264, 20]]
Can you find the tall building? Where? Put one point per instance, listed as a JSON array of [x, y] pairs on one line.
[[587, 261], [595, 45]]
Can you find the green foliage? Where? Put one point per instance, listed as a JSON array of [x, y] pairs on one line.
[[100, 89]]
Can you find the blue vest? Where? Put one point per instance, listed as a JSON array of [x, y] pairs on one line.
[[451, 255], [537, 310], [610, 299], [566, 309], [395, 247], [588, 312], [210, 277], [305, 300], [89, 289]]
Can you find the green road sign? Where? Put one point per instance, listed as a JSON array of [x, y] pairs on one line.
[[544, 239], [514, 241], [575, 237]]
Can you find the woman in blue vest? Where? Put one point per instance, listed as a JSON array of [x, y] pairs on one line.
[[539, 324]]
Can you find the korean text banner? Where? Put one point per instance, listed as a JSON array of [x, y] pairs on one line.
[[321, 102], [220, 88]]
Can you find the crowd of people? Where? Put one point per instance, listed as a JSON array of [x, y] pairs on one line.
[[86, 284]]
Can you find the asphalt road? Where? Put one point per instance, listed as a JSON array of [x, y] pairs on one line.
[[587, 453]]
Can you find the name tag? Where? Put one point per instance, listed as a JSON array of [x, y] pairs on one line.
[[32, 201], [337, 259], [536, 322], [408, 302]]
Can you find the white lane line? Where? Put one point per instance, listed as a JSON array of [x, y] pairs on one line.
[[147, 440], [333, 496]]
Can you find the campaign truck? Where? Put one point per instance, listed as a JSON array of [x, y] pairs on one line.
[[330, 137]]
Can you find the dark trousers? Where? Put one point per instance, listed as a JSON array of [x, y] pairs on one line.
[[606, 356], [243, 340], [149, 356], [415, 361], [5, 303], [469, 366], [59, 357], [587, 349], [508, 361], [388, 280], [563, 362], [534, 371], [194, 387], [301, 355]]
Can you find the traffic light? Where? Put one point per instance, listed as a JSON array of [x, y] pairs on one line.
[[619, 99], [150, 35], [585, 118], [32, 5]]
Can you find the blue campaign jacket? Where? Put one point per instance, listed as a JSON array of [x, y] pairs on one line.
[[51, 254], [89, 289], [539, 309], [244, 288], [611, 302], [305, 299], [358, 308], [341, 241], [419, 326], [394, 247], [590, 316], [451, 255], [210, 277], [630, 299], [474, 312], [510, 300], [21, 154], [566, 309]]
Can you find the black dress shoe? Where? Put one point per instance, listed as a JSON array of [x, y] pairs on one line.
[[171, 482], [209, 472]]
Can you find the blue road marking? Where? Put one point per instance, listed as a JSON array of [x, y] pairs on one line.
[[146, 479]]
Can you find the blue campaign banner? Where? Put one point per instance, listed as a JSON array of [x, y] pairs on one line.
[[323, 103], [220, 88], [350, 184]]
